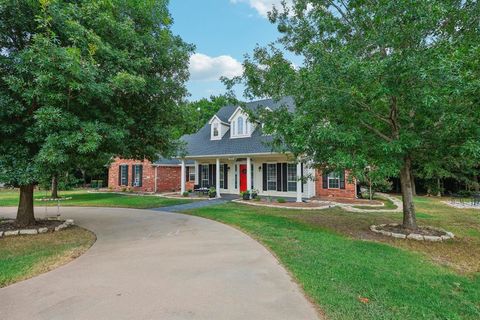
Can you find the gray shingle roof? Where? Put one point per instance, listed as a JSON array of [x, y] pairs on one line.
[[199, 144], [172, 162]]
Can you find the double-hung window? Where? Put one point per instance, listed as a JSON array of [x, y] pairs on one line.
[[215, 129], [222, 177], [191, 174], [291, 177], [124, 175], [272, 176], [240, 126], [204, 176], [333, 180], [137, 175]]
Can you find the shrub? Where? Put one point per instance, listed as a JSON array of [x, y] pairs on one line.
[[245, 195], [257, 198], [212, 192], [124, 189], [185, 194], [190, 190], [281, 200]]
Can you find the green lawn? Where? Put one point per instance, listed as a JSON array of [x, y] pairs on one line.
[[22, 257], [82, 198], [336, 266]]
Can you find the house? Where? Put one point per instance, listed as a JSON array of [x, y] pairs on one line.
[[232, 154], [162, 175]]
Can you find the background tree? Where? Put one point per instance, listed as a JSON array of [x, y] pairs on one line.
[[198, 113], [82, 79], [383, 82]]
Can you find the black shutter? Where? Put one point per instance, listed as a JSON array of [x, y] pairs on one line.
[[119, 175], [284, 177], [301, 174], [264, 173], [133, 174], [141, 176], [210, 175], [200, 175], [126, 167], [342, 179], [251, 176], [324, 181], [279, 177], [225, 176]]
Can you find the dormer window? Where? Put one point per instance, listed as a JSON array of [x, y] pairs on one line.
[[240, 125], [215, 130]]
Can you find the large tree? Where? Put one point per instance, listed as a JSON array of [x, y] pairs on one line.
[[385, 84], [85, 79]]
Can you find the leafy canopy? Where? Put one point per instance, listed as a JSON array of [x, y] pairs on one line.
[[381, 81], [85, 80]]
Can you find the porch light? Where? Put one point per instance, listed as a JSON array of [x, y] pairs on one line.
[[260, 168]]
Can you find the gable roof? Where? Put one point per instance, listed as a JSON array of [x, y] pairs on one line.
[[200, 144]]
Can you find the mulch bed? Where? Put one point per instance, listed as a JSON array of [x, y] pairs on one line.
[[9, 225], [349, 201]]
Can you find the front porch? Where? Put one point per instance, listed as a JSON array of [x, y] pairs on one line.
[[274, 175]]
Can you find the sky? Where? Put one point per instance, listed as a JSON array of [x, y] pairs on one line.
[[223, 31]]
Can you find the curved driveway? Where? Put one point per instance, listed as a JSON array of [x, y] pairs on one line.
[[156, 265]]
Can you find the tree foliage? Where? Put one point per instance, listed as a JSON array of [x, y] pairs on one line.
[[390, 84], [86, 79]]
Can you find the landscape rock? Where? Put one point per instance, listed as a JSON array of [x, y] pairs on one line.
[[10, 233], [69, 222], [415, 236], [398, 235], [432, 238], [1, 234], [42, 230], [28, 231]]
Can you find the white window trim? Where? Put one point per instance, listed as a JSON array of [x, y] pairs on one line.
[[200, 178], [122, 173], [136, 182], [276, 173], [296, 178], [333, 178]]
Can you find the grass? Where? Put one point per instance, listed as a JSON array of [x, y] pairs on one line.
[[22, 257], [388, 205], [82, 198], [327, 253]]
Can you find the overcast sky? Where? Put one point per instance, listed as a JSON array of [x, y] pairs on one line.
[[223, 31]]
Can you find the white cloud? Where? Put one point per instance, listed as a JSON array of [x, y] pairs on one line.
[[206, 68], [262, 6]]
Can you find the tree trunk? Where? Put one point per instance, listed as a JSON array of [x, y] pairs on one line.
[[370, 189], [84, 178], [25, 215], [439, 188], [409, 220], [55, 186], [412, 179]]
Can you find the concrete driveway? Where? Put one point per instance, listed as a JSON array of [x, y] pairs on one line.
[[156, 265]]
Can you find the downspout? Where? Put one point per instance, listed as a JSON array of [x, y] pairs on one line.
[[155, 185]]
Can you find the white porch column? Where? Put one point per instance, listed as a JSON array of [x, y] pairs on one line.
[[299, 182], [182, 177], [249, 176], [197, 174], [217, 178]]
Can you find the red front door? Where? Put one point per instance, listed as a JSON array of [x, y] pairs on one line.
[[243, 177]]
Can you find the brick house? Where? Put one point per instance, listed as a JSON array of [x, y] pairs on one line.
[[233, 155], [162, 175]]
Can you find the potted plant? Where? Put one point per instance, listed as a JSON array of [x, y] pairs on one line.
[[212, 192], [254, 193], [245, 195]]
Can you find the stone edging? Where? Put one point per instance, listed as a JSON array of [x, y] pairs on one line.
[[415, 236], [250, 203], [460, 205], [67, 223], [54, 199]]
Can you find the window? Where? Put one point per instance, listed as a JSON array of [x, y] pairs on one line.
[[291, 177], [124, 175], [333, 180], [222, 177], [236, 176], [272, 176], [215, 129], [137, 175], [190, 173], [240, 125], [204, 176]]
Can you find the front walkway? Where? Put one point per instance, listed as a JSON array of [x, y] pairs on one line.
[[153, 265]]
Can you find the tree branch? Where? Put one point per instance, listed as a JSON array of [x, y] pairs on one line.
[[376, 131]]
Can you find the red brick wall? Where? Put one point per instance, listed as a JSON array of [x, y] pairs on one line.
[[168, 177], [348, 192]]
